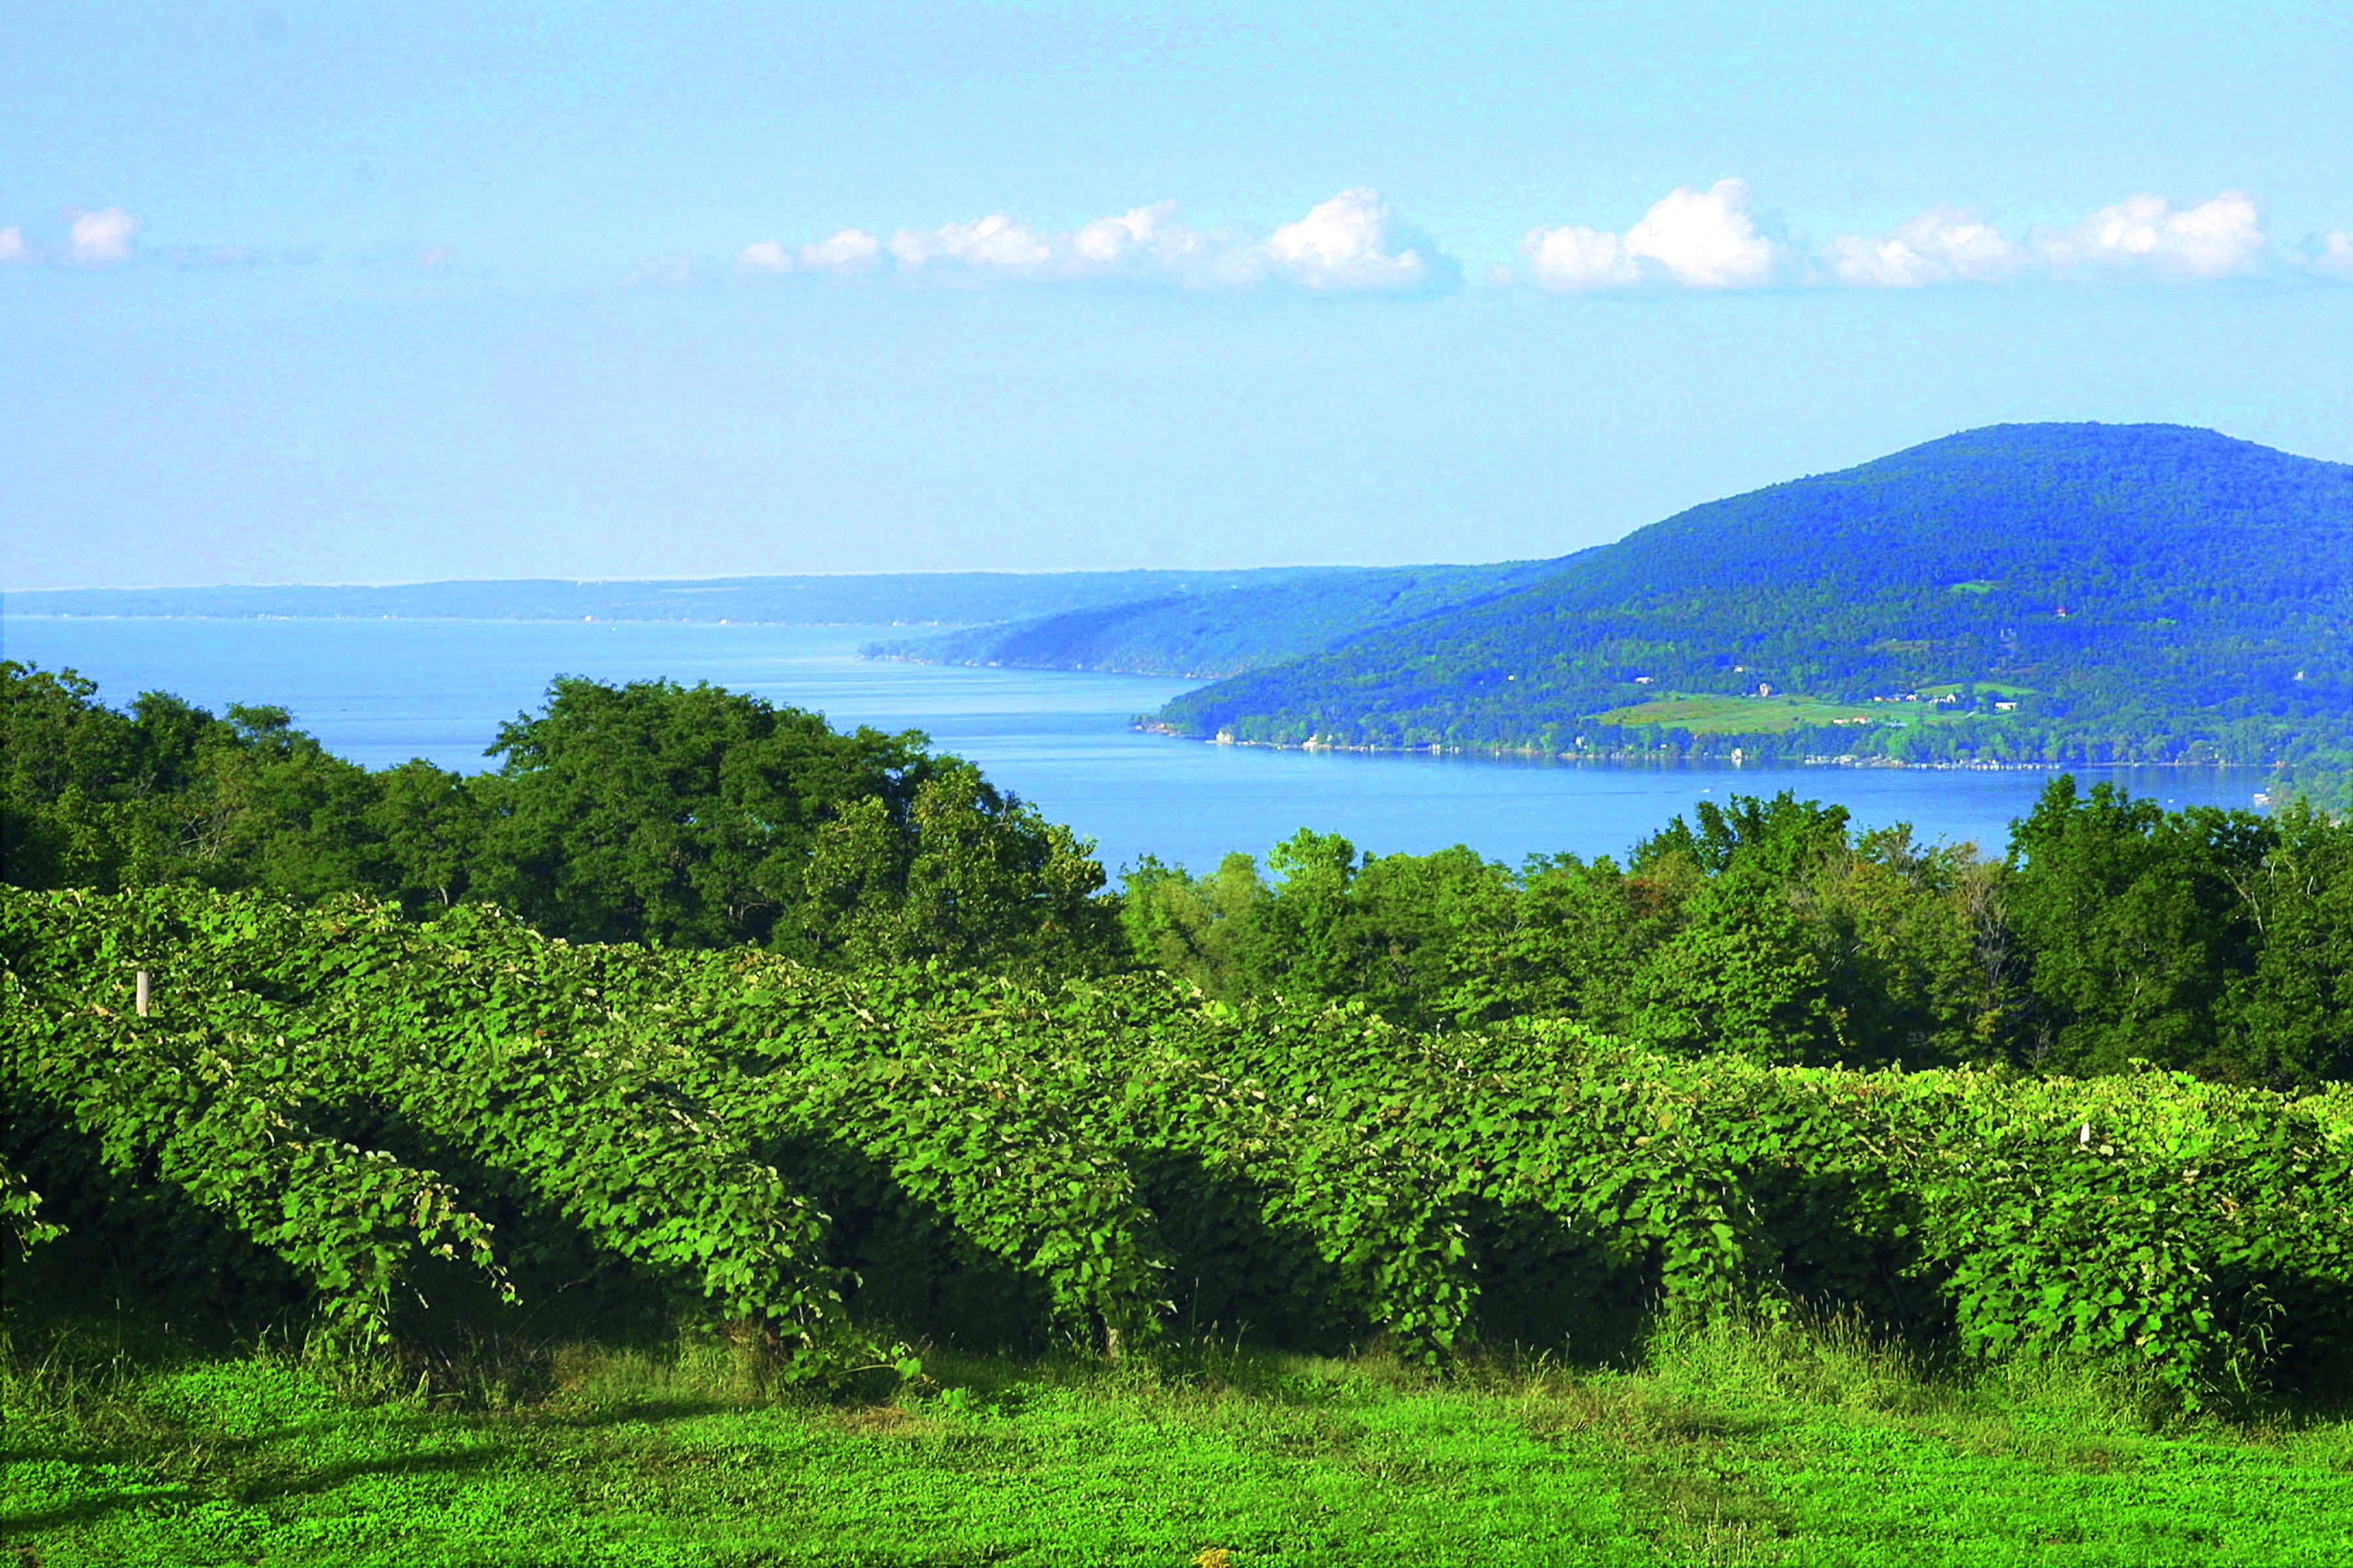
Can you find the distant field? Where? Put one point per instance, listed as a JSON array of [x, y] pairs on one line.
[[1716, 715], [1710, 713]]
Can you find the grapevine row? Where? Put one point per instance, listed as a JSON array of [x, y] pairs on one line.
[[958, 1157]]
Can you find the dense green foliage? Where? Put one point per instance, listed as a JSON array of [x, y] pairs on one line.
[[819, 1158], [648, 811], [1206, 635], [2213, 941], [2135, 593]]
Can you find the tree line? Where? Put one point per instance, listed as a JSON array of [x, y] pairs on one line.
[[649, 812], [2111, 931], [2214, 942]]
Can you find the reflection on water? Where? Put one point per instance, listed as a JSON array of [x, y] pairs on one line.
[[383, 691]]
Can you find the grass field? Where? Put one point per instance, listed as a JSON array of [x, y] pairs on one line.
[[1710, 714], [1726, 1446]]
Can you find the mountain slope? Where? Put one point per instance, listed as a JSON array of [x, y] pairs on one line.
[[1208, 635], [2047, 591]]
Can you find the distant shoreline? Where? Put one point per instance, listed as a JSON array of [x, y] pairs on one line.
[[1622, 759], [1730, 764]]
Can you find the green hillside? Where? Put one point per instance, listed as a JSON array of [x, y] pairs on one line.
[[2030, 592], [1210, 634]]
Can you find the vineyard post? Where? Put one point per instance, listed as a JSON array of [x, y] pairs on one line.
[[142, 993]]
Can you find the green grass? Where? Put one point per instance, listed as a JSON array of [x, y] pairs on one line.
[[1716, 714], [1728, 1446], [1705, 714]]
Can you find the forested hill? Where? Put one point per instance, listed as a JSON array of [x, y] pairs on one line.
[[2023, 592], [1208, 636]]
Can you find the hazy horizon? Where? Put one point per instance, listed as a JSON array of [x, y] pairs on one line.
[[1176, 568]]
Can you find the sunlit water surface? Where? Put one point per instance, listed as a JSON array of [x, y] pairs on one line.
[[383, 691]]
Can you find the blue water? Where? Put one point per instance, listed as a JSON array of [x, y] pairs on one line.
[[383, 691]]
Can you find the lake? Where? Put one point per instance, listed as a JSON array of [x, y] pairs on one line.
[[381, 691]]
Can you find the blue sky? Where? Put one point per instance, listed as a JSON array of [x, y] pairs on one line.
[[342, 293]]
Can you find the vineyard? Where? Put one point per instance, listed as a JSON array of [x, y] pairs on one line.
[[402, 1126]]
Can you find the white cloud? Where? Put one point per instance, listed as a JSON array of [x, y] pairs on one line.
[[765, 256], [12, 244], [2335, 256], [1572, 258], [849, 250], [2218, 238], [1943, 244], [1705, 238], [1142, 238], [1346, 243], [98, 238], [1700, 239], [994, 244]]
